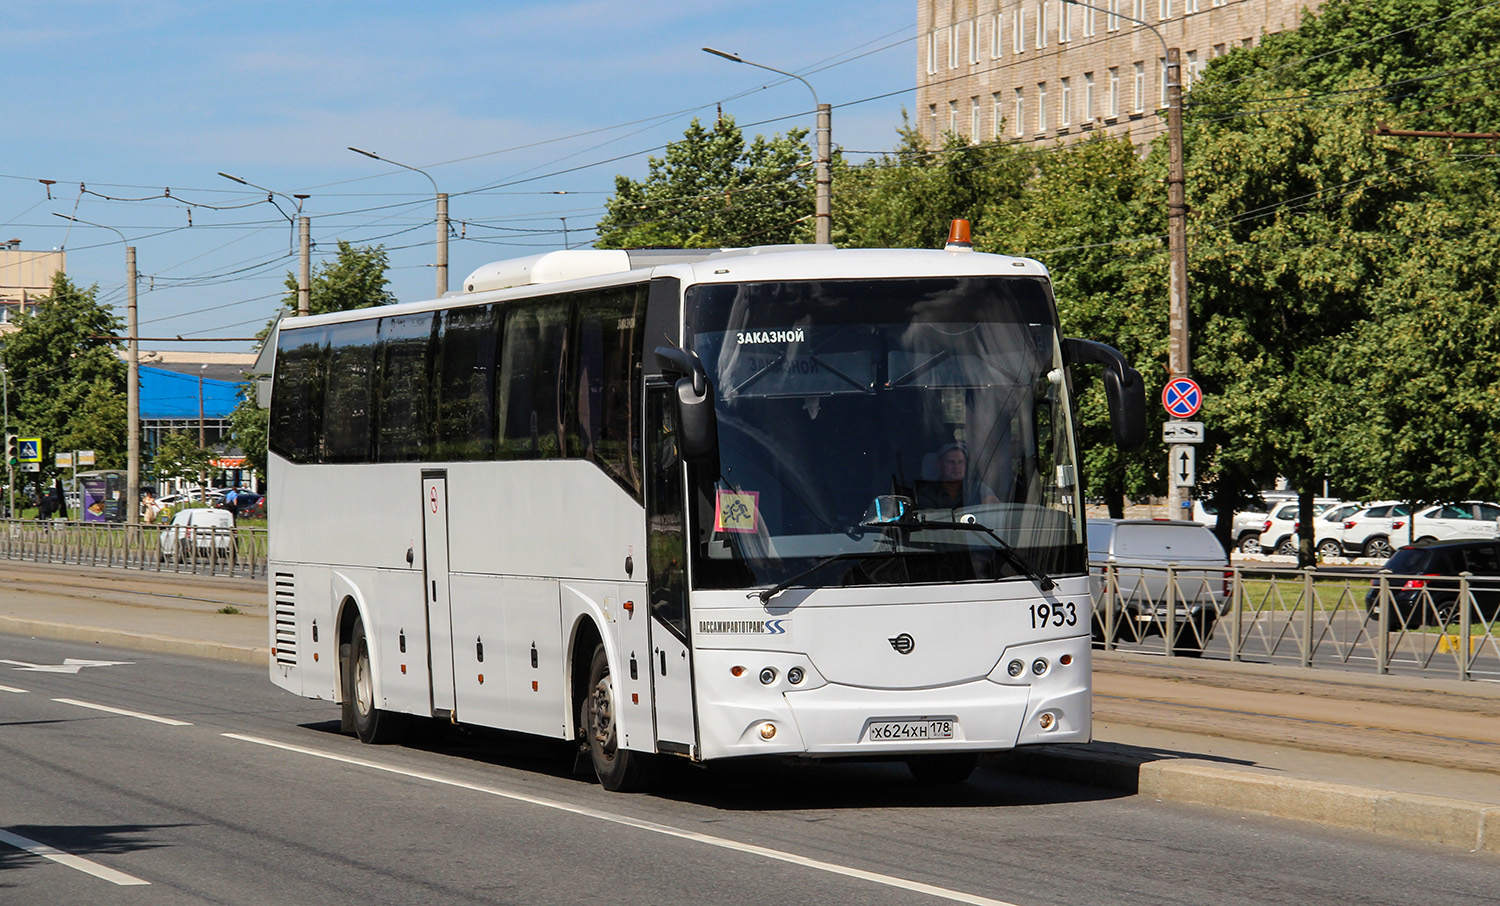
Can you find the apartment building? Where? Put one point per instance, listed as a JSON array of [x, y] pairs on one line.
[[1055, 70]]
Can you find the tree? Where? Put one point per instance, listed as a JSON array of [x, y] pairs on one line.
[[179, 456], [710, 190], [354, 279], [65, 376]]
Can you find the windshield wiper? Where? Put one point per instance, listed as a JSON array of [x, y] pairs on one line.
[[1042, 580], [766, 595]]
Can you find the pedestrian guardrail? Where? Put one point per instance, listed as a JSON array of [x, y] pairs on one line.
[[1437, 626], [202, 550]]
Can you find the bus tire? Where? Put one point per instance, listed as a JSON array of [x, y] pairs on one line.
[[619, 770], [944, 768], [371, 724]]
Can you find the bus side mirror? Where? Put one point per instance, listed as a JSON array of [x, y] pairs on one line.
[[1123, 388], [698, 426]]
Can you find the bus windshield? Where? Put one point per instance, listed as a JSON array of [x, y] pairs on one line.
[[857, 417]]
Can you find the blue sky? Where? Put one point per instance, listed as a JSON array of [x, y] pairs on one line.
[[133, 108]]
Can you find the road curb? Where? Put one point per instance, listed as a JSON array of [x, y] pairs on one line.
[[1410, 816], [139, 641]]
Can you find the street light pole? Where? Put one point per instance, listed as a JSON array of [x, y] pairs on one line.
[[132, 381], [824, 178], [442, 216], [304, 236]]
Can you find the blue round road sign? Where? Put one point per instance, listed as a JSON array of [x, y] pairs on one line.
[[1182, 397]]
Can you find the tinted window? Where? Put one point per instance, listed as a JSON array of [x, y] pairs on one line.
[[405, 392], [1483, 560], [607, 371], [468, 346], [530, 402], [346, 402], [297, 397]]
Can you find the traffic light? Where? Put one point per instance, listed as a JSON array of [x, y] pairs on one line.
[[12, 455]]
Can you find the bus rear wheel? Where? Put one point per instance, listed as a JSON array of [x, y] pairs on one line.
[[371, 724], [948, 767], [619, 770]]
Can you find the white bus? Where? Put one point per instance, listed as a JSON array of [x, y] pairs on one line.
[[789, 501]]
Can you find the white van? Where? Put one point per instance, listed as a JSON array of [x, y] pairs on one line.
[[199, 532], [1157, 564]]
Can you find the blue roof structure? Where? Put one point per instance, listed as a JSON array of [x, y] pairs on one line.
[[173, 396]]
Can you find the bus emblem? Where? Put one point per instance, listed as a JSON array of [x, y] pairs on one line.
[[903, 643]]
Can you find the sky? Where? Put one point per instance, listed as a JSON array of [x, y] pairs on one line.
[[523, 112]]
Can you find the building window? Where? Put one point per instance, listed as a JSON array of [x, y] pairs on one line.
[[1090, 21], [953, 47], [953, 117], [997, 111], [1041, 106], [1112, 20], [1189, 7], [974, 120], [1020, 122], [1138, 12], [1065, 103], [1041, 24], [1018, 30], [1164, 9], [1163, 88], [973, 42], [932, 52], [1218, 51], [1140, 88], [1088, 96], [1194, 69], [1064, 22], [997, 45], [1113, 110]]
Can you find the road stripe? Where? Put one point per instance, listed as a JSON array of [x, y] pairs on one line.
[[71, 861], [12, 689], [942, 893], [123, 713]]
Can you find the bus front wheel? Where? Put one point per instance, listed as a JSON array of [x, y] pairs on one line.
[[371, 724], [619, 770]]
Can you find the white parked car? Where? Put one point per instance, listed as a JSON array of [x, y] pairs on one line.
[[1140, 552], [1278, 534], [1472, 520], [200, 532], [1377, 530], [1328, 529]]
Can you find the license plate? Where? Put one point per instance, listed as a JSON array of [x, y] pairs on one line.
[[920, 728]]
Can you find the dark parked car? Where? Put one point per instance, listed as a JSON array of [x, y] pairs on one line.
[[1424, 583]]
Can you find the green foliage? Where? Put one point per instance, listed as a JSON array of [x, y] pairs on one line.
[[65, 377], [711, 191], [179, 456]]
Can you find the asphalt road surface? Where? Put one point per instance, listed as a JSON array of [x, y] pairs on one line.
[[142, 778]]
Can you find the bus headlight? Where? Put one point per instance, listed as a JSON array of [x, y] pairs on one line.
[[795, 676], [1016, 667], [768, 675]]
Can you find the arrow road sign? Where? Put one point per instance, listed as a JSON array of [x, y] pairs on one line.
[[1183, 466], [1182, 432]]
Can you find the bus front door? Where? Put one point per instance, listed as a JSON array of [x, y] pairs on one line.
[[666, 568], [435, 588]]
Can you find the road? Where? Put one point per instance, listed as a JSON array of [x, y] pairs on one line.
[[205, 782]]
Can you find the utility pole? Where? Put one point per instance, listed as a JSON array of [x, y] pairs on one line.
[[304, 277], [132, 398], [1179, 353]]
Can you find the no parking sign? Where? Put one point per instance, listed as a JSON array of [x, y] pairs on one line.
[[1182, 397]]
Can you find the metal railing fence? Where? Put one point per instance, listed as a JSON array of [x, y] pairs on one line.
[[202, 550], [1441, 627]]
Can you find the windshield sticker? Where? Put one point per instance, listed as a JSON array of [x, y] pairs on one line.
[[737, 511], [745, 337]]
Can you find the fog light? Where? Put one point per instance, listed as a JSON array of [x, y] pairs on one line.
[[1015, 668], [768, 676], [795, 676], [1039, 666], [767, 730], [1047, 720]]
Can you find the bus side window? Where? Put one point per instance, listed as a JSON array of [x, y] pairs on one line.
[[666, 548]]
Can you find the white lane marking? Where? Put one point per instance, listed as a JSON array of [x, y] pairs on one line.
[[943, 893], [12, 689], [72, 861], [69, 665], [123, 713]]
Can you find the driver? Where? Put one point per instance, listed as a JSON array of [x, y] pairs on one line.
[[953, 487]]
